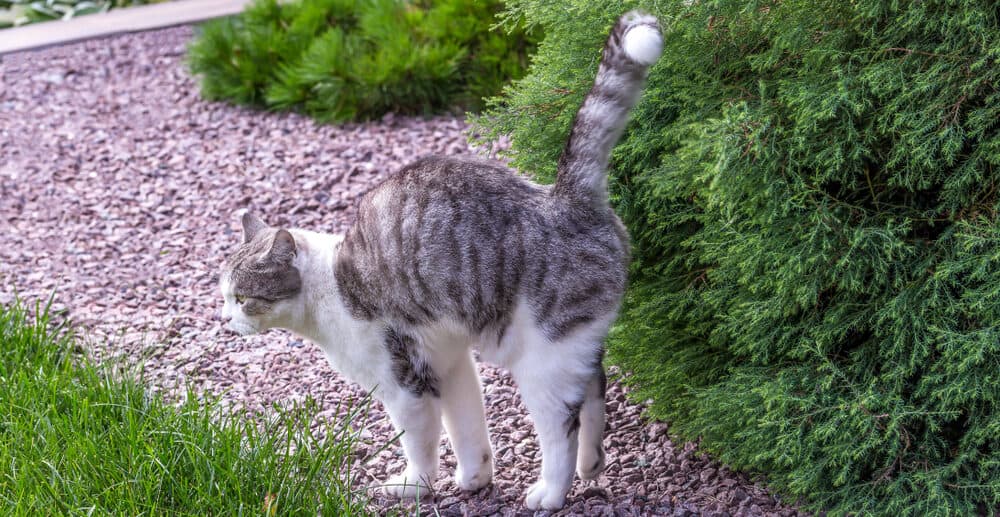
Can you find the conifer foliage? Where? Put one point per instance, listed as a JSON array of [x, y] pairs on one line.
[[342, 60], [812, 192]]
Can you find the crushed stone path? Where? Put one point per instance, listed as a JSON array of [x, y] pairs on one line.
[[117, 189]]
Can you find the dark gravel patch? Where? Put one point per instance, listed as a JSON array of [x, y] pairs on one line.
[[117, 189]]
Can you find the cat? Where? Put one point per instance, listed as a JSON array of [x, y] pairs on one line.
[[454, 254]]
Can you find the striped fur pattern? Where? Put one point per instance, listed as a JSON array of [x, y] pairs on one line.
[[467, 240], [601, 120], [450, 255]]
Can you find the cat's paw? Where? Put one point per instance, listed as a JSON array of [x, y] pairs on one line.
[[473, 479], [591, 465], [406, 486], [542, 497]]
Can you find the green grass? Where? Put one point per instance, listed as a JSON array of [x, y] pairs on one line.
[[76, 440]]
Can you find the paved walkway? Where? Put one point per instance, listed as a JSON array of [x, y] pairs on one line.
[[131, 19]]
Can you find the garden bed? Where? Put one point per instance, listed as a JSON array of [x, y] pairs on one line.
[[117, 189]]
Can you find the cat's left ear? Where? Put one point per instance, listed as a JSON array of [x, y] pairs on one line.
[[252, 225], [283, 247]]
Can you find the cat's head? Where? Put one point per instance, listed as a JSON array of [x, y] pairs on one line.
[[260, 284]]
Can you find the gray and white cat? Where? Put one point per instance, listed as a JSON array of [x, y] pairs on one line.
[[453, 254]]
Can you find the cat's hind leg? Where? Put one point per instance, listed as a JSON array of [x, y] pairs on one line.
[[553, 383], [590, 454], [465, 421]]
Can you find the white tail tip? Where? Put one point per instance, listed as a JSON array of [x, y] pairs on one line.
[[642, 42]]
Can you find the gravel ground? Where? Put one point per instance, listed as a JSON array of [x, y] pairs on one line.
[[117, 189]]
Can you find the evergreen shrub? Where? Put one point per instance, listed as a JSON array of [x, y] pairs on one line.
[[342, 60], [812, 192]]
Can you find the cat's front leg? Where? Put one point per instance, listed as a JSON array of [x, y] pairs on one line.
[[418, 419], [410, 392], [465, 421]]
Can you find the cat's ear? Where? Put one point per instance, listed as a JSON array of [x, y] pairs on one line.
[[283, 248], [252, 225]]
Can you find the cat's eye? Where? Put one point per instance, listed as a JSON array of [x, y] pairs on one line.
[[240, 300]]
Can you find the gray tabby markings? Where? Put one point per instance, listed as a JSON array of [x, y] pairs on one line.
[[573, 418], [262, 270], [461, 239], [410, 370], [582, 168]]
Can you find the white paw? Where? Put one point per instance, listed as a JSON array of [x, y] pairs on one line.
[[406, 486], [472, 480], [541, 497], [591, 466]]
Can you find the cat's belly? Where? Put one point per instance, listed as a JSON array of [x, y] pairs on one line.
[[505, 347]]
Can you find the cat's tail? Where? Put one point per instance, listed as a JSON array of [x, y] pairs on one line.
[[635, 43]]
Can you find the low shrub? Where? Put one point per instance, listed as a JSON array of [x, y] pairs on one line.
[[340, 60], [812, 190], [78, 439]]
